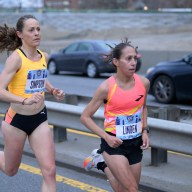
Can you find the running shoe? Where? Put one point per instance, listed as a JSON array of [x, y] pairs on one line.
[[92, 161]]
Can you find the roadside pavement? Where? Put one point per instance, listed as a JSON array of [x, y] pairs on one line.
[[174, 176]]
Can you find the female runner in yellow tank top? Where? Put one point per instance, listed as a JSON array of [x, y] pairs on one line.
[[25, 76], [124, 136]]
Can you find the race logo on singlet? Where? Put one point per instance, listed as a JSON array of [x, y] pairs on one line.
[[36, 81], [129, 127]]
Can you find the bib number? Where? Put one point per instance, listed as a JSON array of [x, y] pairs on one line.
[[36, 81], [128, 127]]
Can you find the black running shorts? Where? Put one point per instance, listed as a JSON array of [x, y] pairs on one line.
[[26, 123], [129, 148]]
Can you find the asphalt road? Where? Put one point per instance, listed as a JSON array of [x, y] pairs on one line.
[[29, 178], [77, 84]]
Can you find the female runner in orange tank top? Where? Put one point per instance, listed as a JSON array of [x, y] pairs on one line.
[[125, 135]]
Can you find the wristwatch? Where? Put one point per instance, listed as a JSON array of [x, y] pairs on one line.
[[146, 128]]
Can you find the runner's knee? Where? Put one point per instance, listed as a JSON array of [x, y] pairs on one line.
[[132, 188], [11, 172], [49, 171]]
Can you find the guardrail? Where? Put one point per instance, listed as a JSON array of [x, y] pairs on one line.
[[68, 116], [166, 132], [164, 135], [182, 113]]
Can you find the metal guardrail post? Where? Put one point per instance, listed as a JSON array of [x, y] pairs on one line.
[[59, 134], [159, 155]]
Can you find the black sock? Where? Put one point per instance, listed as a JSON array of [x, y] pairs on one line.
[[101, 166]]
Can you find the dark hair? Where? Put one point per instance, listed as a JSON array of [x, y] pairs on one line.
[[8, 38], [116, 51]]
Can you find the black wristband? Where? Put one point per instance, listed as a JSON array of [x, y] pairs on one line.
[[145, 129], [51, 92], [23, 102]]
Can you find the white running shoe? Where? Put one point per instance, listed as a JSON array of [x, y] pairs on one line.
[[92, 161]]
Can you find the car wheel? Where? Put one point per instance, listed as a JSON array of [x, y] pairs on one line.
[[163, 89], [52, 67], [92, 70]]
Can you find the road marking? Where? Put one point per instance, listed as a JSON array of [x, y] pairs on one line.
[[65, 180], [82, 133], [181, 154], [79, 132]]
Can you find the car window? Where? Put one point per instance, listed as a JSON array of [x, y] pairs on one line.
[[102, 46], [188, 59], [85, 47], [72, 48]]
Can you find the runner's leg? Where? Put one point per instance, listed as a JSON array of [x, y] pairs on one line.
[[113, 182], [10, 158], [41, 142], [120, 168], [136, 170], [95, 160]]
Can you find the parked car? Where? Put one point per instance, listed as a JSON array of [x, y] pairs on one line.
[[85, 57], [171, 80]]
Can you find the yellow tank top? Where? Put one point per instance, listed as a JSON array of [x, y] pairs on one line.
[[30, 78]]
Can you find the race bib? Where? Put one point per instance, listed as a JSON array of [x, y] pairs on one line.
[[36, 81], [129, 127]]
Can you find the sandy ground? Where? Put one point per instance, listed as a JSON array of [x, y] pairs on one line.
[[155, 38], [164, 38]]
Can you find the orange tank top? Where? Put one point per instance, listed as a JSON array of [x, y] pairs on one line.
[[123, 110]]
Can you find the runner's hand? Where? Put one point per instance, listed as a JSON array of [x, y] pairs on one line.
[[113, 141], [58, 94], [146, 142], [35, 98]]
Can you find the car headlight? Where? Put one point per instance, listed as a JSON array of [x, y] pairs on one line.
[[150, 70]]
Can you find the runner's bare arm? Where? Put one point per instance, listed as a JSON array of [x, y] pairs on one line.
[[97, 100], [58, 93], [12, 65], [147, 86], [145, 136]]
